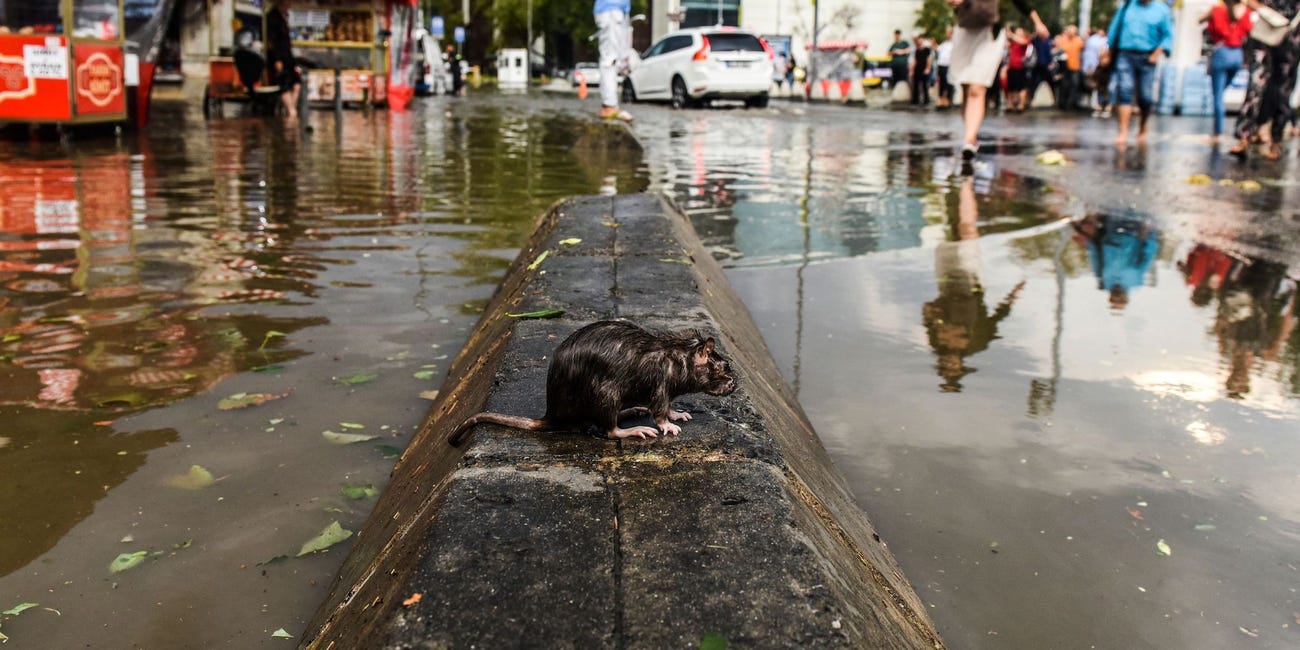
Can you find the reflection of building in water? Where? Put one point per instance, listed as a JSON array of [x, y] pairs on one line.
[[1121, 250], [958, 321]]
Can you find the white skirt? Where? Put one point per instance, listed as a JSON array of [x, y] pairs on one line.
[[976, 56]]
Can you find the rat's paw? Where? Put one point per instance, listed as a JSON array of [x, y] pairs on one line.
[[634, 432], [670, 429], [679, 416]]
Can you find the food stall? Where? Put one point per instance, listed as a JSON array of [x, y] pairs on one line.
[[341, 35], [63, 62]]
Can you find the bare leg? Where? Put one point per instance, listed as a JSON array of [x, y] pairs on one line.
[[1125, 114], [1142, 125], [973, 99]]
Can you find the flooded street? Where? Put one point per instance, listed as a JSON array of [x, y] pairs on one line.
[[1067, 397], [147, 284]]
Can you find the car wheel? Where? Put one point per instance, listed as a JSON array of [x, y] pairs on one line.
[[681, 99], [629, 93], [757, 101]]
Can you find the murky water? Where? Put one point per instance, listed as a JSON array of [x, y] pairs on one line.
[[146, 280], [1068, 398]]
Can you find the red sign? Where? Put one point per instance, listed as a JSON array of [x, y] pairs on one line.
[[34, 78], [99, 82]]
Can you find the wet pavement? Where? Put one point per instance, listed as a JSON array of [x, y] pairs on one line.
[[1055, 462]]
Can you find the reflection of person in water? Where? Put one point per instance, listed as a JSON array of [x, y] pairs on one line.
[[1121, 251], [1257, 314], [958, 322], [1206, 269]]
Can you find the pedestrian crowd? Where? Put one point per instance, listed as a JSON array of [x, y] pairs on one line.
[[1001, 65]]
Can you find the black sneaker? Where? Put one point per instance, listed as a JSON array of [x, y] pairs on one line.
[[968, 152]]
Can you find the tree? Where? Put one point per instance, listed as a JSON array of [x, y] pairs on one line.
[[934, 17]]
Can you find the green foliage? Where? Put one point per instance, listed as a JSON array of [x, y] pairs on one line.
[[933, 18]]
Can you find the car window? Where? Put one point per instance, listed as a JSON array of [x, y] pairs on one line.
[[732, 42], [674, 43], [656, 50]]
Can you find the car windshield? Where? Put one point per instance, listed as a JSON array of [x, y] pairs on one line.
[[733, 42]]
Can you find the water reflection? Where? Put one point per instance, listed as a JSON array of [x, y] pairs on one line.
[[1121, 250], [958, 321]]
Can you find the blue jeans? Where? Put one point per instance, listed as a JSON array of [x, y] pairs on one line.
[[1224, 63], [1135, 73]]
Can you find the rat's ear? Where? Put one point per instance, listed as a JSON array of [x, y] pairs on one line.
[[703, 351]]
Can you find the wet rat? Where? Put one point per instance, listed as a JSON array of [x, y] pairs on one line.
[[613, 369]]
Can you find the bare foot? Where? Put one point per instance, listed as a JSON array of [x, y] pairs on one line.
[[1142, 136], [679, 416], [633, 432], [1121, 140]]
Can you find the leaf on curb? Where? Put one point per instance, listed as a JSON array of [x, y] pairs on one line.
[[127, 561], [346, 438], [245, 400], [540, 258], [429, 394], [333, 534], [196, 479], [540, 313]]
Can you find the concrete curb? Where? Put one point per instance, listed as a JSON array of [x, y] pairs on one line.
[[740, 528]]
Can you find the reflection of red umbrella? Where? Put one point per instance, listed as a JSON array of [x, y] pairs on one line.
[[399, 91]]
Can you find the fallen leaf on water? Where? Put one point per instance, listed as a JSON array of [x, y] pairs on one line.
[[675, 260], [713, 641], [274, 367], [1135, 513], [281, 634], [389, 451], [1226, 182], [267, 338], [19, 608], [245, 400], [415, 598], [346, 438], [1204, 527], [1163, 548], [570, 241], [362, 378], [333, 534], [538, 262], [609, 224], [1199, 179], [196, 479], [1249, 633], [351, 425], [429, 394], [1052, 157], [127, 561], [359, 491], [1249, 186], [423, 374], [540, 313]]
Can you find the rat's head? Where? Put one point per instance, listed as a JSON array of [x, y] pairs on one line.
[[711, 371]]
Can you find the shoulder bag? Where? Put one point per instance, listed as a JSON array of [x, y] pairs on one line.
[[1271, 27]]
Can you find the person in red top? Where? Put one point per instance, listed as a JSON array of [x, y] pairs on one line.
[[1017, 73], [1228, 25]]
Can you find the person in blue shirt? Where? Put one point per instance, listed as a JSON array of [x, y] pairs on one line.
[[1139, 32], [615, 35]]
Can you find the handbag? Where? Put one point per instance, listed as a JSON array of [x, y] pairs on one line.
[[1271, 27]]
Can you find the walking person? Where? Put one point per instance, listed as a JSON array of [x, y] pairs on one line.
[[942, 59], [1272, 81], [977, 46], [1018, 50], [615, 36], [283, 67], [1227, 26], [1139, 33], [921, 72], [1071, 45], [1093, 46], [1042, 70]]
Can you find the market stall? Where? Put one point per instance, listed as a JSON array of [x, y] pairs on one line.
[[63, 62], [342, 35]]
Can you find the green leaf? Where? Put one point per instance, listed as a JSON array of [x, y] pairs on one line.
[[363, 378], [423, 374], [538, 262], [351, 425], [270, 335], [355, 492], [245, 400], [540, 313], [346, 438], [127, 561], [389, 451], [281, 634], [20, 608], [196, 479], [570, 241], [273, 367], [713, 641], [333, 534], [275, 560], [10, 338], [1163, 548], [1205, 527]]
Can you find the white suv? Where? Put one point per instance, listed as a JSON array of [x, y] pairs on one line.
[[701, 64]]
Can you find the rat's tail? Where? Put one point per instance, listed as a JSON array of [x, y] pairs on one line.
[[516, 421]]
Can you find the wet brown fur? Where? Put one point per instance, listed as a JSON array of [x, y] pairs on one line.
[[609, 369]]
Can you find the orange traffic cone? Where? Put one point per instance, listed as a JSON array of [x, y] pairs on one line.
[[582, 85]]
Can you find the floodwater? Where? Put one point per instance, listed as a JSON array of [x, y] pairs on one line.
[[144, 280], [1067, 397]]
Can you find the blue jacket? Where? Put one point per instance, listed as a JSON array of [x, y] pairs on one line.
[[606, 5], [1147, 26]]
